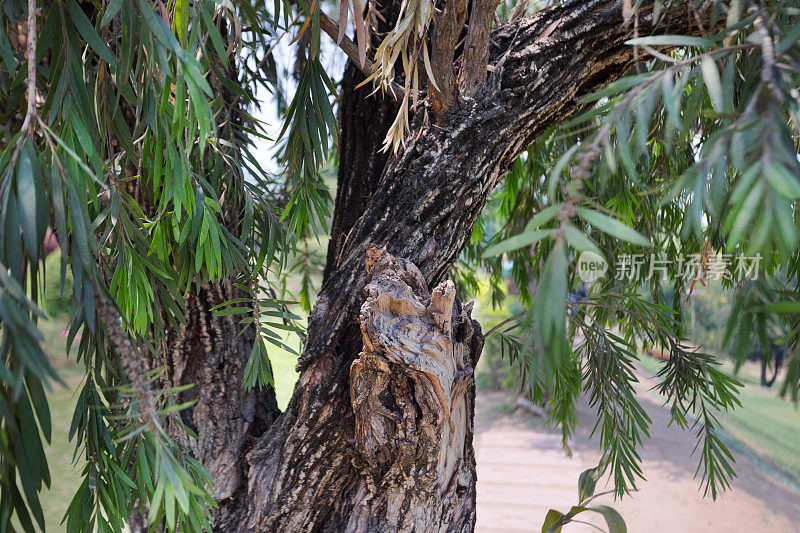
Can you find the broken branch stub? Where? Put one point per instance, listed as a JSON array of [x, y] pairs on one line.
[[412, 391]]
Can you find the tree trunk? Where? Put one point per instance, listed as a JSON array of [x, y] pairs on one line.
[[404, 460], [210, 354], [378, 433]]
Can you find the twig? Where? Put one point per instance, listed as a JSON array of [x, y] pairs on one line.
[[30, 113], [519, 10], [503, 323], [767, 54]]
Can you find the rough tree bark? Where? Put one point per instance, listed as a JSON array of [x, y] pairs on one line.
[[378, 433], [209, 354]]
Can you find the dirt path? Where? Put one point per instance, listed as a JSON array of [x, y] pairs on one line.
[[522, 472]]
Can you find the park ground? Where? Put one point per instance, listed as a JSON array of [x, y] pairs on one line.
[[523, 472]]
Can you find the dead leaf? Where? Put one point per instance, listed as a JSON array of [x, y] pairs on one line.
[[343, 16], [361, 31], [546, 33]]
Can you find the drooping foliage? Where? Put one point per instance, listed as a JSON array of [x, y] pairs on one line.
[[128, 133], [682, 172]]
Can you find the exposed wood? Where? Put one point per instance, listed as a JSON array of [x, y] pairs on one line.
[[412, 393], [522, 402]]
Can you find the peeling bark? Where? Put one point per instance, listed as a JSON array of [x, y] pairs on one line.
[[413, 397]]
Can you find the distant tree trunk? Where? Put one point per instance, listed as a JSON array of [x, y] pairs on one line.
[[378, 433]]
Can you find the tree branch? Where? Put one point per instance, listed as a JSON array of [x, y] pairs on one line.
[[423, 210], [519, 10], [447, 29], [29, 123], [431, 195], [476, 48]]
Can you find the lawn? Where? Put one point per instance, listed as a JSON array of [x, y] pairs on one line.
[[65, 474], [283, 371], [766, 424]]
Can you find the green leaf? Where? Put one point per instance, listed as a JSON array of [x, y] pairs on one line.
[[614, 520], [671, 40], [612, 227], [516, 242], [550, 309], [550, 520], [713, 83], [6, 53], [158, 27], [617, 87], [543, 217], [27, 197], [586, 484], [87, 31], [182, 20], [581, 242], [783, 181], [39, 401], [213, 32], [233, 311], [111, 11], [783, 307]]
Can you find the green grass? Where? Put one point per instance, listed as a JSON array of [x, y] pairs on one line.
[[283, 364], [66, 476], [766, 424]]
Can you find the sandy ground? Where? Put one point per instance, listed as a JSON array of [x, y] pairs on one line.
[[522, 472]]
